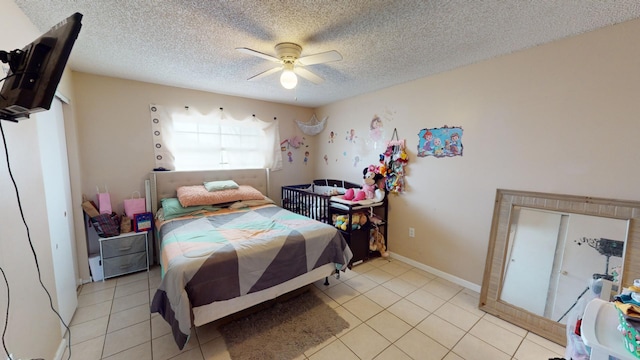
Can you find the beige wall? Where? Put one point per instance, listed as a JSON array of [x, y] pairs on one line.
[[114, 131], [33, 329], [560, 118]]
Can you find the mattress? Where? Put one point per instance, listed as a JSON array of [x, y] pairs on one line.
[[232, 253]]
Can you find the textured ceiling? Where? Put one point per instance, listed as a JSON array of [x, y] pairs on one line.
[[191, 44]]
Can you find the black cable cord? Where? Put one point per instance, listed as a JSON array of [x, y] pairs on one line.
[[33, 251], [6, 319]]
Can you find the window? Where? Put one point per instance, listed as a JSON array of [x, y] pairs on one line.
[[187, 140]]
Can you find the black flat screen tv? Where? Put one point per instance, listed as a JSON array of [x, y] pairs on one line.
[[35, 70]]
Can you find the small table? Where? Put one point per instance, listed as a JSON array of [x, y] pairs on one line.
[[599, 331]]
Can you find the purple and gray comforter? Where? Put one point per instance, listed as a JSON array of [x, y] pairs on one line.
[[232, 253]]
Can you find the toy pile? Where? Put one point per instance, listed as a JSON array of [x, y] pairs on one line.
[[358, 220], [628, 305]]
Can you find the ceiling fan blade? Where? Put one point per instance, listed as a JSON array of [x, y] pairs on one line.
[[266, 73], [320, 58], [308, 75], [258, 54]]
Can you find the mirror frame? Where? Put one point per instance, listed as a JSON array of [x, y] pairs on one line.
[[505, 201]]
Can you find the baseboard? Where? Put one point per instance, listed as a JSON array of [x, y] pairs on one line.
[[61, 348], [454, 279]]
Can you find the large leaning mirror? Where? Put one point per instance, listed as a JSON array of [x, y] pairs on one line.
[[545, 248]]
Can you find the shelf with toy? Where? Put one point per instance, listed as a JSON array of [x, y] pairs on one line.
[[363, 226]]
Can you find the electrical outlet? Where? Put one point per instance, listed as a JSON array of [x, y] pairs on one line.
[[412, 232]]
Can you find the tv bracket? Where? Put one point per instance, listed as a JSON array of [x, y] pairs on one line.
[[13, 58]]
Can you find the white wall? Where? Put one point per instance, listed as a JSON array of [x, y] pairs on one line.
[[559, 118], [33, 329]]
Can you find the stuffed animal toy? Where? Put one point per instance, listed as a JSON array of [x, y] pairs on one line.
[[368, 188], [376, 243], [342, 221], [354, 195]]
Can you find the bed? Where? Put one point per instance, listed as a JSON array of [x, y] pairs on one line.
[[227, 259]]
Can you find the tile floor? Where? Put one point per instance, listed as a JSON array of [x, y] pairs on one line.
[[395, 311]]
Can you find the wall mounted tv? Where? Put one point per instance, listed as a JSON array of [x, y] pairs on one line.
[[35, 71]]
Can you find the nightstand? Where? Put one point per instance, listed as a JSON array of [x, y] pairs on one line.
[[124, 254]]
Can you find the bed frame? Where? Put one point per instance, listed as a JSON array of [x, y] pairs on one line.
[[163, 184]]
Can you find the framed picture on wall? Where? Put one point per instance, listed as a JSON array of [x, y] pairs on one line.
[[142, 221]]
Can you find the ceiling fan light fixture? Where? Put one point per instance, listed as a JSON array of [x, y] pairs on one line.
[[288, 79]]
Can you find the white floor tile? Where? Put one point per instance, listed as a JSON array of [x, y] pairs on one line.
[[91, 312], [452, 356], [529, 350], [361, 283], [215, 350], [365, 342], [126, 338], [165, 347], [86, 350], [392, 353], [468, 300], [132, 288], [342, 293], [335, 350], [544, 342], [472, 348], [362, 307], [379, 276], [506, 325], [383, 296], [425, 300], [140, 352], [126, 318], [442, 288], [394, 312], [88, 330], [389, 325], [441, 331], [97, 286], [419, 346], [96, 297], [400, 287], [457, 316], [130, 301], [409, 312], [496, 336], [416, 277], [395, 268]]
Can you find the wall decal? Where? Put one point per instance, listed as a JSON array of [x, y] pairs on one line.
[[326, 159], [306, 157], [332, 136], [351, 136], [440, 142], [376, 132]]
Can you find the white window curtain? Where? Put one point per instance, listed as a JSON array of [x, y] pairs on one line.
[[187, 140]]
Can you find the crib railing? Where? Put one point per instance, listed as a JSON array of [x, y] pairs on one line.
[[300, 200]]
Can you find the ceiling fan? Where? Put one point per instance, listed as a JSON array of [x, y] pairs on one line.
[[288, 56]]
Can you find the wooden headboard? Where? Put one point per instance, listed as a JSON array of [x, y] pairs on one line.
[[163, 184]]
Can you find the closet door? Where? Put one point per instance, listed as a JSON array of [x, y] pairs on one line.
[[57, 187], [530, 262]]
